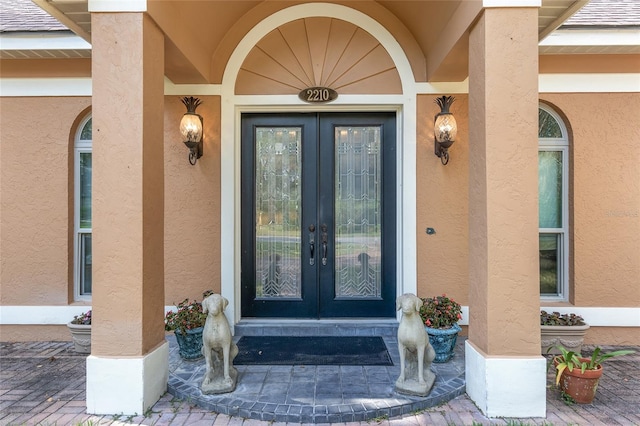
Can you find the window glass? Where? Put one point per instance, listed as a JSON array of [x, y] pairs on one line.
[[85, 190], [549, 264], [548, 127], [550, 189], [85, 264], [86, 131]]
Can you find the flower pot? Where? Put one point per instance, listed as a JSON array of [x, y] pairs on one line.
[[569, 336], [443, 341], [81, 335], [580, 386], [190, 343]]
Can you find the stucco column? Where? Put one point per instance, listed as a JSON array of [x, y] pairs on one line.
[[504, 370], [128, 368]]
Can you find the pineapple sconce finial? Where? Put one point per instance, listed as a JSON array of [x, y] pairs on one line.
[[191, 128], [445, 128]]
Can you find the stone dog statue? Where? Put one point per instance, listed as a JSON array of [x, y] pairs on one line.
[[218, 348], [416, 354]]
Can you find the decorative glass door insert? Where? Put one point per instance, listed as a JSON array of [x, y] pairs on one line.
[[278, 208], [357, 212]]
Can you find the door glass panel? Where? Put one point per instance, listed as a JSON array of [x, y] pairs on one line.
[[278, 210], [357, 212]]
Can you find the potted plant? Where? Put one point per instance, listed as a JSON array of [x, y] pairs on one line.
[[567, 330], [440, 316], [578, 376], [187, 323], [80, 328]]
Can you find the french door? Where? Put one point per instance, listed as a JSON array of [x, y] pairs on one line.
[[318, 215]]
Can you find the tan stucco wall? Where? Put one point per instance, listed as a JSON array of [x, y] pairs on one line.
[[605, 213], [192, 205], [35, 198], [32, 68], [611, 63], [605, 219], [37, 195], [443, 202], [127, 185], [503, 182], [612, 336], [29, 333]]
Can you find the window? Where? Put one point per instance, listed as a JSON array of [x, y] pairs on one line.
[[553, 193], [82, 210]]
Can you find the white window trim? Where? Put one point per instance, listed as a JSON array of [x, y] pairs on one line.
[[559, 145], [81, 146]]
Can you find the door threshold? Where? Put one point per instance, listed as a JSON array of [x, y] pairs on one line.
[[317, 327]]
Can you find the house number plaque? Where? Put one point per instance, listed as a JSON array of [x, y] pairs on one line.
[[316, 95]]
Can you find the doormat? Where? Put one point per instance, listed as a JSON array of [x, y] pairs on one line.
[[312, 350]]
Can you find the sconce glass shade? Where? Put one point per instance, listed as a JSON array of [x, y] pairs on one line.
[[191, 127], [445, 128]]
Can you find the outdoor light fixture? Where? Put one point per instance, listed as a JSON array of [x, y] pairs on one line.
[[445, 128], [191, 128]]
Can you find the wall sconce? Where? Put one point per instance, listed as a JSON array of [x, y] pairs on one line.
[[191, 128], [445, 128]]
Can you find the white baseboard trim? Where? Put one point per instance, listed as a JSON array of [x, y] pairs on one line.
[[60, 315], [506, 386], [45, 315], [602, 317], [127, 386]]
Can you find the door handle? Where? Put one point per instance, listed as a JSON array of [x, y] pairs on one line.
[[324, 243], [312, 244]]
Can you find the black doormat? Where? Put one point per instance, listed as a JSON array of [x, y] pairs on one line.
[[311, 350]]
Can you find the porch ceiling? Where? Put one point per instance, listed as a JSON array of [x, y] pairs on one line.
[[210, 22]]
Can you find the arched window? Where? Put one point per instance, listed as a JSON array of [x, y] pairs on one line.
[[82, 210], [553, 193]]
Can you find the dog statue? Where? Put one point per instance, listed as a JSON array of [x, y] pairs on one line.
[[218, 348], [416, 354]]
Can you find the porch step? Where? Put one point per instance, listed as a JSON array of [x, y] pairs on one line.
[[334, 327], [316, 393]]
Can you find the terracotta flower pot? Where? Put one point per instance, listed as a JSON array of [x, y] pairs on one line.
[[581, 386]]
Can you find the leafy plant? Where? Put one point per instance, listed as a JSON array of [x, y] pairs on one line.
[[82, 319], [556, 318], [570, 360], [188, 316], [440, 311]]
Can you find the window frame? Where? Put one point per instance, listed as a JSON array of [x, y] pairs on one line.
[[81, 146], [559, 145]]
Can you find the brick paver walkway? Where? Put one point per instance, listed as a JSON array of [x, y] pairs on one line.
[[43, 383]]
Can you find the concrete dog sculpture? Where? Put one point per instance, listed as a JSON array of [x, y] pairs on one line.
[[416, 354], [218, 348]]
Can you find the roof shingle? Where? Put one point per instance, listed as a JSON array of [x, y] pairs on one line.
[[24, 15], [606, 13]]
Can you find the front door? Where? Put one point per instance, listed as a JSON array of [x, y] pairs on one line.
[[318, 215]]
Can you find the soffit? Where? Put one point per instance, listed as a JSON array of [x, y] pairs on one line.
[[209, 22], [425, 19]]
